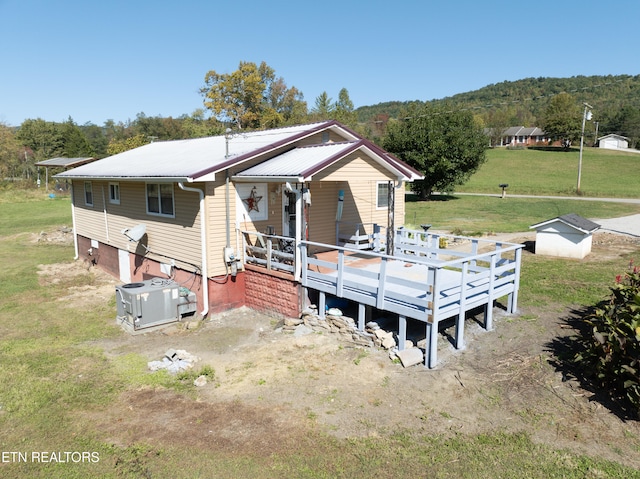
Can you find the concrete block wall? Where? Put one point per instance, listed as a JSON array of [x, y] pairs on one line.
[[272, 294]]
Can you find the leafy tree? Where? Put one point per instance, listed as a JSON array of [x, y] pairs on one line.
[[343, 110], [97, 138], [626, 122], [447, 146], [252, 97], [562, 119], [118, 146], [42, 137], [11, 153], [323, 108], [74, 143], [197, 126]]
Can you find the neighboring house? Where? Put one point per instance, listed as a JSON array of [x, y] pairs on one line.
[[567, 236], [187, 209], [521, 136], [613, 142]]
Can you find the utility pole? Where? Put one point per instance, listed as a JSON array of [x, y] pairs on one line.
[[585, 116]]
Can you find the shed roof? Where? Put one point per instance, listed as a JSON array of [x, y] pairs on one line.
[[65, 162], [573, 220], [613, 135]]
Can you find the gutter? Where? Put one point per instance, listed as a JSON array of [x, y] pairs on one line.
[[73, 224], [203, 243]]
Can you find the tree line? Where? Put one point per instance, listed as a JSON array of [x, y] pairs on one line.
[[531, 102], [252, 97], [445, 139]]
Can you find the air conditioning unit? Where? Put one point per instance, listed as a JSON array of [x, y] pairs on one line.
[[153, 302]]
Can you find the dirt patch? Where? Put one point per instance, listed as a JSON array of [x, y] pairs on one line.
[[271, 387]]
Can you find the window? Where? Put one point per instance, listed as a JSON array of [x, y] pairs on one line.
[[114, 193], [88, 193], [160, 199], [383, 195]]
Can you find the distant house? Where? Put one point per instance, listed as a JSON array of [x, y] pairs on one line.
[[193, 209], [567, 236], [521, 136], [613, 142]]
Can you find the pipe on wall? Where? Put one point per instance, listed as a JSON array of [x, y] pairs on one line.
[[203, 243]]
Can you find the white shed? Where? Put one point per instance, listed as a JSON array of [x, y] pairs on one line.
[[613, 142], [567, 236]]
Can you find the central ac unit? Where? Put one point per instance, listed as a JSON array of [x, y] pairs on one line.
[[153, 302]]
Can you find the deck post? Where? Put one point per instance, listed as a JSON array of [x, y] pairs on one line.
[[488, 311], [381, 284], [402, 332], [459, 340], [269, 252], [431, 358], [362, 312], [322, 304], [340, 274], [513, 297]]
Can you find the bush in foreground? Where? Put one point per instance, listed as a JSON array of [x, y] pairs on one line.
[[611, 343]]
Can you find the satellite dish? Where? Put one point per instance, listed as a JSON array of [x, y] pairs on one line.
[[135, 233]]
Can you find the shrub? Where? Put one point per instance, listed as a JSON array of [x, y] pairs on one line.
[[611, 343]]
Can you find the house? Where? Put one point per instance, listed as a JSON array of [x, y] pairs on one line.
[[613, 142], [521, 136], [264, 219], [193, 209], [568, 236]]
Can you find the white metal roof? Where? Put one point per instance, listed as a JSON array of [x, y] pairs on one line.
[[201, 158], [302, 163], [296, 162], [184, 159]]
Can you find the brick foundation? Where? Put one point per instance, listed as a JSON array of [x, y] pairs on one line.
[[272, 294]]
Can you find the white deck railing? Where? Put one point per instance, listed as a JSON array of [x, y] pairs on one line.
[[424, 280]]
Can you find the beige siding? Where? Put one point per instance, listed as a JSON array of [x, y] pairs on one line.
[[360, 197], [177, 237], [217, 225]]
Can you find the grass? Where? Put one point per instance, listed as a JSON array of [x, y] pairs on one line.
[[52, 379], [605, 173], [488, 214]]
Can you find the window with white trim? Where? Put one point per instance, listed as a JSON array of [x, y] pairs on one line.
[[88, 193], [114, 193], [160, 199], [383, 195]]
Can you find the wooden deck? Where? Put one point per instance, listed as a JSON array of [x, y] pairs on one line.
[[424, 280], [429, 278]]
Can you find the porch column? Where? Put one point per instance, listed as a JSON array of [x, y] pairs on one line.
[[390, 219]]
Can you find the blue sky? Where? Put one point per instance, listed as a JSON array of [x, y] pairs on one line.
[[99, 60]]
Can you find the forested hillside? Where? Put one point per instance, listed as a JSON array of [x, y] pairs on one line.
[[615, 101]]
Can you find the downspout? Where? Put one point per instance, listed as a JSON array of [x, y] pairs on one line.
[[227, 212], [203, 243], [73, 224]]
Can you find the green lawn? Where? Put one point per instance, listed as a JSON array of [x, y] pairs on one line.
[[605, 173], [44, 394], [464, 214]]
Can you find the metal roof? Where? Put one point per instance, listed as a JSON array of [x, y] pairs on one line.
[[184, 159], [201, 158], [573, 220], [301, 163], [65, 162], [522, 131]]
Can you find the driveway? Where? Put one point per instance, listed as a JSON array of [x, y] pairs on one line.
[[628, 225]]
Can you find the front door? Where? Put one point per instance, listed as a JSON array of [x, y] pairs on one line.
[[289, 216]]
